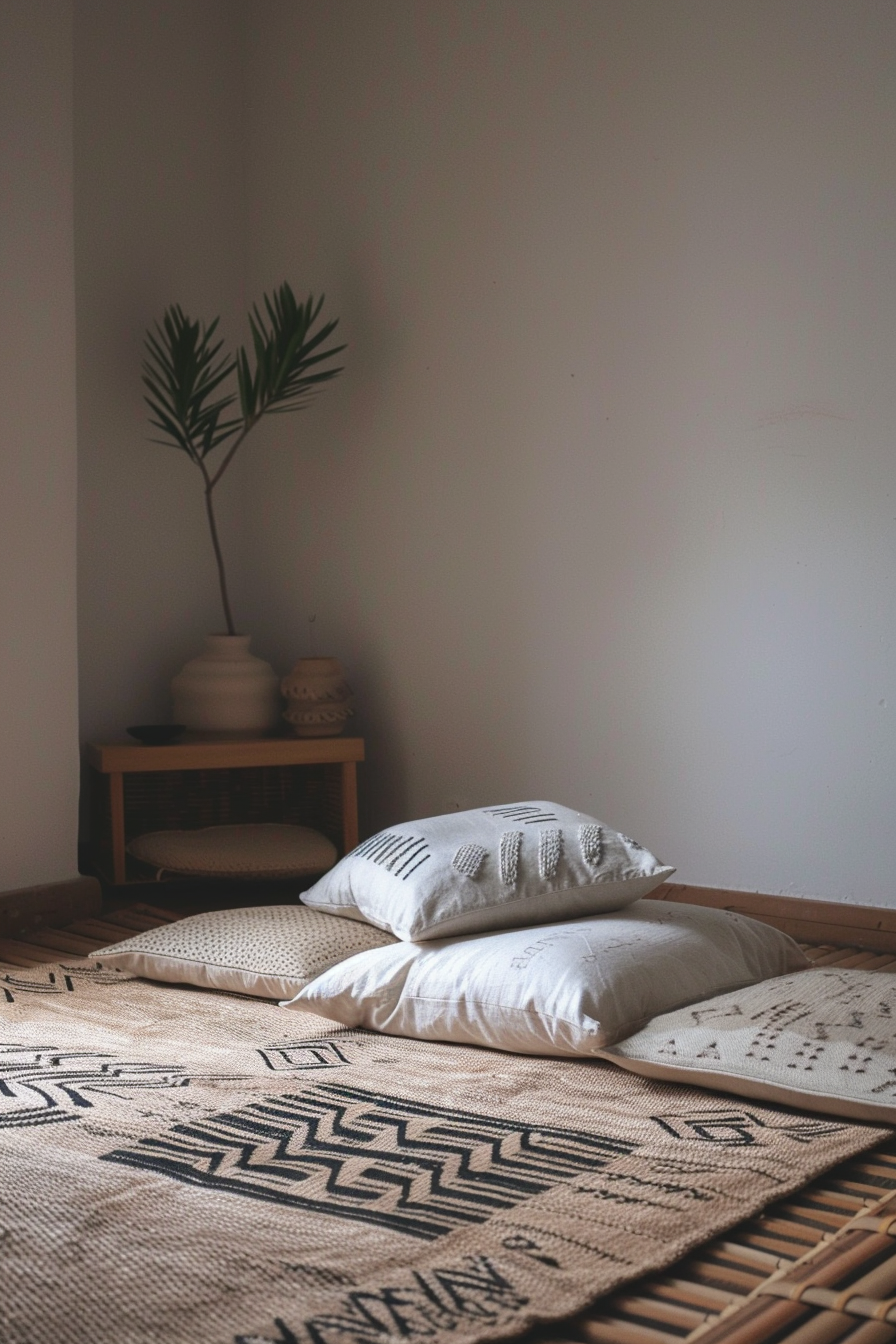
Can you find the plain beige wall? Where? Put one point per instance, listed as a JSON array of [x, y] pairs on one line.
[[603, 508], [38, 650], [159, 219]]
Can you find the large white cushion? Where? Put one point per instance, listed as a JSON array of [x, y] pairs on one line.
[[559, 989], [268, 951], [490, 868], [824, 1040]]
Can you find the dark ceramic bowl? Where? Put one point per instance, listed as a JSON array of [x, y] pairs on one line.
[[157, 734]]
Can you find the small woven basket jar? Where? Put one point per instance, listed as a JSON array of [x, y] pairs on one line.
[[319, 700]]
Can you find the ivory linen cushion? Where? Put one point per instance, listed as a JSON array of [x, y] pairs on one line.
[[558, 989], [489, 868], [824, 1040], [267, 951]]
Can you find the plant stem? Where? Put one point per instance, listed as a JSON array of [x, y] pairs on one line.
[[211, 482], [219, 558]]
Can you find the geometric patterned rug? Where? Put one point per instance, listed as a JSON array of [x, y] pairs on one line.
[[179, 1164]]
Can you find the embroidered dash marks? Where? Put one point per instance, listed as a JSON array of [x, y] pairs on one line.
[[527, 813], [469, 859], [550, 847], [400, 855], [510, 857], [591, 842]]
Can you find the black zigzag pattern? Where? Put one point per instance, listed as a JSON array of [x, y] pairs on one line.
[[418, 1169], [41, 1085], [526, 813]]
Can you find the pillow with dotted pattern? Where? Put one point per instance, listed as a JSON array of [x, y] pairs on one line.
[[489, 868], [559, 989], [267, 951]]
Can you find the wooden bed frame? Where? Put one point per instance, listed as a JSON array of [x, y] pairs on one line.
[[818, 1267]]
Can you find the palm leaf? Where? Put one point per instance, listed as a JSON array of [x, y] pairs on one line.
[[181, 372], [285, 353]]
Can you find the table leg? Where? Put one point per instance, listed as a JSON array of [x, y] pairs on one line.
[[116, 805], [349, 806]]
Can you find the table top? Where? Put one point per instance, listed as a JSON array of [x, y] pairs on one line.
[[203, 754]]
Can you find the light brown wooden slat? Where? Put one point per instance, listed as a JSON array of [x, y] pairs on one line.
[[789, 1231], [131, 921], [660, 1314], [13, 957], [868, 960], [685, 1290], [554, 1332], [880, 1159], [602, 1331], [834, 958], [868, 1332], [14, 947], [877, 961], [822, 1328], [99, 929], [764, 1261], [726, 1274], [859, 959], [867, 1181], [160, 912], [824, 1200], [545, 1336], [57, 941], [785, 1240], [596, 1335]]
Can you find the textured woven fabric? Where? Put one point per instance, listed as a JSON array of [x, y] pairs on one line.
[[557, 989], [187, 1166], [824, 1040], [489, 868], [260, 850], [269, 951]]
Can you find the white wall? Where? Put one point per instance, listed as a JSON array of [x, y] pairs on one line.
[[159, 219], [38, 650], [603, 508]]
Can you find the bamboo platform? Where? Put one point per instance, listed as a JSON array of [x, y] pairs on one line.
[[816, 1268]]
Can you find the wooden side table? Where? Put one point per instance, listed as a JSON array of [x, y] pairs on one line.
[[189, 784]]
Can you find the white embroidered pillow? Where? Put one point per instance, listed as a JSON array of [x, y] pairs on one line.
[[267, 951], [823, 1040], [489, 868], [558, 989]]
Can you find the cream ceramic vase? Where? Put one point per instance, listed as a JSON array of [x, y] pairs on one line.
[[227, 690], [318, 698]]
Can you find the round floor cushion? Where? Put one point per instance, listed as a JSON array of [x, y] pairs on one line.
[[262, 850]]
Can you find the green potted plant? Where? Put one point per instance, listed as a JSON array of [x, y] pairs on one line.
[[195, 406]]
